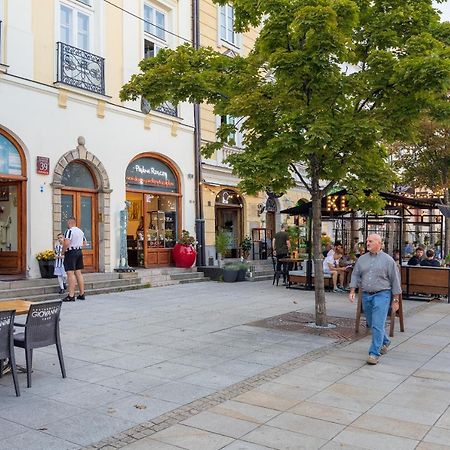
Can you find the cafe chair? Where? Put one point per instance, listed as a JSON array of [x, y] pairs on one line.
[[40, 330], [276, 273], [7, 345]]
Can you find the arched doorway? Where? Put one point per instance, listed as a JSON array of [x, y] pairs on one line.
[[13, 210], [98, 258], [228, 207], [79, 200], [154, 212]]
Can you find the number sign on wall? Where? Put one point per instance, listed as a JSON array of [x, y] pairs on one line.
[[43, 165]]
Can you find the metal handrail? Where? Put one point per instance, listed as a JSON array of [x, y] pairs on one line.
[[80, 69]]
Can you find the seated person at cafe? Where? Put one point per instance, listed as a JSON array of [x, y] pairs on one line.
[[396, 257], [331, 267], [417, 258], [429, 261], [338, 247]]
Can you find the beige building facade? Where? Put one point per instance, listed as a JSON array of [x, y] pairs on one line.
[[69, 146]]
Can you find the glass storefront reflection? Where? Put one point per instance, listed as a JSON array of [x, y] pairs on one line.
[[8, 218]]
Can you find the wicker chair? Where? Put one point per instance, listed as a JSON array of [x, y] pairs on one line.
[[7, 345], [41, 330]]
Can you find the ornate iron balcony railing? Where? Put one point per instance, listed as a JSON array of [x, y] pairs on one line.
[[166, 108], [80, 69]]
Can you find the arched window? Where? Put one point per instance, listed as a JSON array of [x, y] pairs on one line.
[[77, 175], [10, 162]]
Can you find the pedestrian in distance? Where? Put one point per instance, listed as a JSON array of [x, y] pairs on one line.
[[74, 241], [59, 264], [377, 276], [281, 247]]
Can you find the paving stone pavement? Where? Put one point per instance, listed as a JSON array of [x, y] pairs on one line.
[[177, 367]]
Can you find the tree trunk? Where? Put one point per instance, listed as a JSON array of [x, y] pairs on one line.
[[321, 310]]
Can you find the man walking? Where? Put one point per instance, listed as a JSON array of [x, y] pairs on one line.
[[281, 246], [73, 259], [377, 275]]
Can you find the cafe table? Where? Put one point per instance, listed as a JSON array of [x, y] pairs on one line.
[[292, 262], [20, 306]]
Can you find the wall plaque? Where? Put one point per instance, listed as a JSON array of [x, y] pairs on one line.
[[43, 165]]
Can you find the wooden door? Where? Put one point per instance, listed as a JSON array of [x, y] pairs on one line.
[[12, 227], [83, 206]]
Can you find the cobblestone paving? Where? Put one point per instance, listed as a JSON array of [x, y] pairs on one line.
[[180, 414]]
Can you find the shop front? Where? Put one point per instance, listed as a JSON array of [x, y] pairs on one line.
[[13, 219], [154, 211]]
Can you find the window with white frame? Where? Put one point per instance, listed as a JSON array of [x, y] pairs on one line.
[[236, 135], [155, 26], [226, 25], [75, 26], [155, 22]]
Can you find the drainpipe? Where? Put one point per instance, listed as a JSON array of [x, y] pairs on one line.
[[199, 216]]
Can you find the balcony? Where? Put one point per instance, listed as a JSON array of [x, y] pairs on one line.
[[80, 69], [166, 108]]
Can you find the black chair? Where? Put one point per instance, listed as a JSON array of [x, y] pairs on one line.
[[7, 345], [276, 273], [41, 330]]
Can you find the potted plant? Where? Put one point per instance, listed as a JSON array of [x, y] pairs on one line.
[[46, 261], [230, 273], [184, 253], [222, 245], [447, 260], [242, 271], [246, 246]]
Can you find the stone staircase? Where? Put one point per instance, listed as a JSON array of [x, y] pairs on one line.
[[47, 289], [167, 276], [263, 270]]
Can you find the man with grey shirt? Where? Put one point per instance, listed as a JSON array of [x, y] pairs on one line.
[[377, 275]]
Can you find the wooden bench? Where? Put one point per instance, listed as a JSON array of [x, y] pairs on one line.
[[425, 280], [299, 277]]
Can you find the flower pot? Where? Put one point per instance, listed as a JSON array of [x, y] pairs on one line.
[[241, 274], [47, 268], [184, 255], [230, 275]]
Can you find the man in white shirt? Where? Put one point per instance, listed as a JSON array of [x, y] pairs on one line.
[[331, 267], [73, 259]]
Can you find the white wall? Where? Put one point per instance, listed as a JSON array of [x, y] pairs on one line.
[[32, 114]]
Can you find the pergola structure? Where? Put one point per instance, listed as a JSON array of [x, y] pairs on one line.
[[405, 219]]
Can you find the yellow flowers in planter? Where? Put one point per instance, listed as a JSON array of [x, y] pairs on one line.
[[46, 255]]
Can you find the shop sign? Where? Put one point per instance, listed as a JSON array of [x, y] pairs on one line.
[[151, 174], [271, 205], [336, 203], [43, 165]]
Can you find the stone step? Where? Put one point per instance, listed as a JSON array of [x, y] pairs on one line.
[[90, 292], [186, 275], [193, 280], [261, 278], [88, 277], [90, 285]]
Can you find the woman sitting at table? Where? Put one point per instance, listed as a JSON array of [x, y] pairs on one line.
[[331, 267]]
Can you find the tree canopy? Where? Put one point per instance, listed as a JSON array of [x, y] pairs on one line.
[[327, 83]]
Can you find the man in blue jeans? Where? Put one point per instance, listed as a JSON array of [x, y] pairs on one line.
[[377, 275]]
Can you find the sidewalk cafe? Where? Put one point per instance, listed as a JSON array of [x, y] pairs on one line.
[[405, 224]]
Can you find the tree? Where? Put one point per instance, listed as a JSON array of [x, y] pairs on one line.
[[325, 84], [425, 162]]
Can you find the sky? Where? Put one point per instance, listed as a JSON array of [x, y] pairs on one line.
[[445, 8]]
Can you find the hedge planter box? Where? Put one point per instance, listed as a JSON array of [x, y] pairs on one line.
[[230, 275], [47, 268]]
